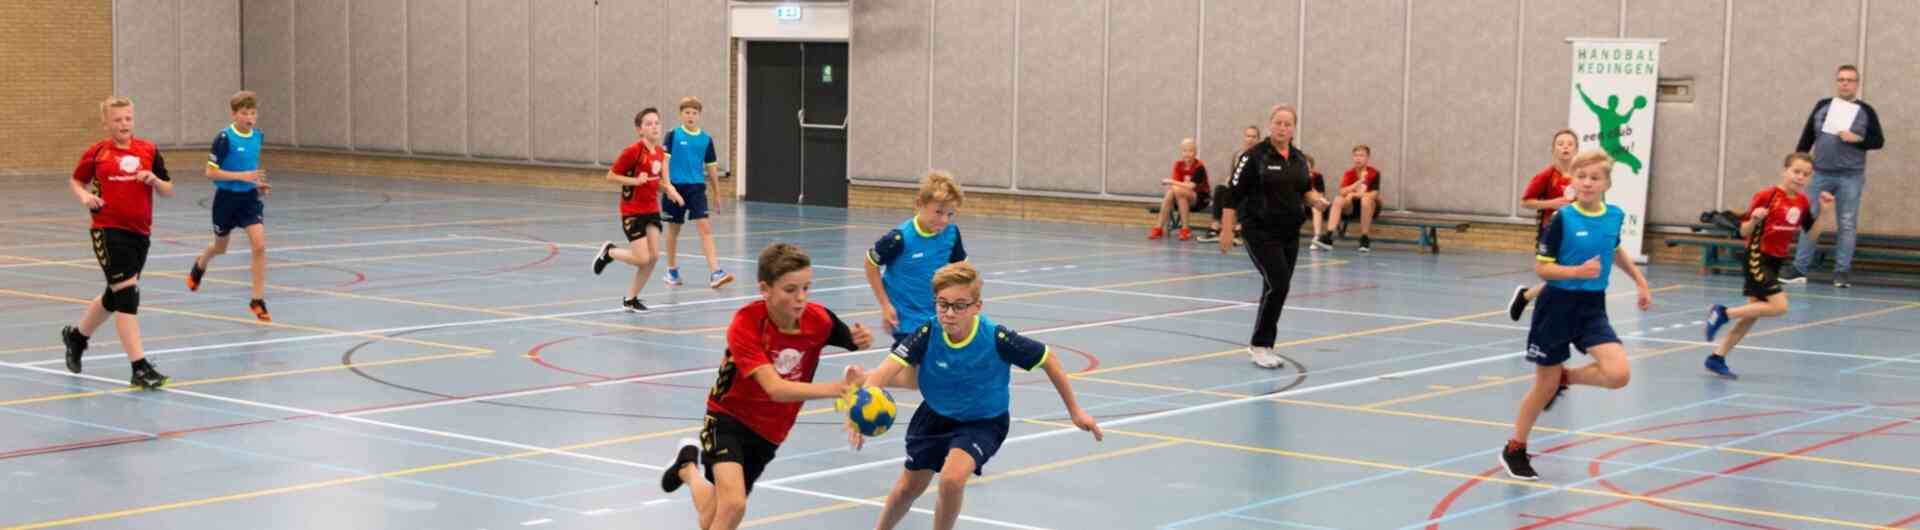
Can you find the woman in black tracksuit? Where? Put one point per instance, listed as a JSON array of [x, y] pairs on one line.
[[1271, 194]]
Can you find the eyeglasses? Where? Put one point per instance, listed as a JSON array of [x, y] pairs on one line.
[[945, 306]]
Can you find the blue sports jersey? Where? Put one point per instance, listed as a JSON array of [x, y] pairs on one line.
[[909, 258], [234, 151], [1574, 236], [968, 379], [688, 154]]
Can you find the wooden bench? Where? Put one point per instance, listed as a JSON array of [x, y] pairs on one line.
[[1428, 230], [1716, 251], [1719, 250]]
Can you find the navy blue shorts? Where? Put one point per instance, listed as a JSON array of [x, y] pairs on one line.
[[695, 209], [236, 209], [1564, 318], [931, 436]]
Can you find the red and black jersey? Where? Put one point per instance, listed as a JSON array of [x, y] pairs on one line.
[[1787, 215], [641, 161], [754, 341], [1547, 185], [109, 171]]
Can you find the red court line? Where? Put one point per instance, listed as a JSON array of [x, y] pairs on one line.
[[1594, 525], [1904, 522]]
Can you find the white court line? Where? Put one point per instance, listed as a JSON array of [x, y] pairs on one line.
[[43, 263], [488, 441]]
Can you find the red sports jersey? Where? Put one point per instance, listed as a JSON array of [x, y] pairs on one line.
[[752, 342], [1184, 172], [1548, 184], [109, 171], [1373, 179], [640, 161], [1787, 215]]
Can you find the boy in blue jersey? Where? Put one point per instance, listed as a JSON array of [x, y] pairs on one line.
[[1577, 247], [912, 252], [961, 367], [239, 184], [692, 169]]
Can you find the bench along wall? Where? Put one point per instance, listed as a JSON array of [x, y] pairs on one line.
[[1090, 97]]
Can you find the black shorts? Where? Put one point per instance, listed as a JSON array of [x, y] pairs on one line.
[[236, 209], [1564, 318], [636, 225], [1351, 210], [931, 436], [1763, 275], [694, 210], [725, 439], [122, 254]]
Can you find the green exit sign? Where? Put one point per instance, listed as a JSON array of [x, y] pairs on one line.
[[787, 13]]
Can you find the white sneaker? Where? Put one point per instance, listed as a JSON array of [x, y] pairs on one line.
[[1264, 357]]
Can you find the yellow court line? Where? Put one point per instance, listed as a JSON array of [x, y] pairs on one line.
[[257, 322], [244, 377], [276, 264], [1641, 356], [603, 299], [1103, 455], [1167, 388], [82, 242], [143, 340], [1465, 476], [1798, 294]]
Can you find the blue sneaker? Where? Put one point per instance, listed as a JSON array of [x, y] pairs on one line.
[[719, 279], [1716, 317], [672, 278], [1718, 365]]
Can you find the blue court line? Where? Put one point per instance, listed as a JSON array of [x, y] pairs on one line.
[[1288, 524], [1477, 454], [1674, 458], [290, 460], [135, 396]]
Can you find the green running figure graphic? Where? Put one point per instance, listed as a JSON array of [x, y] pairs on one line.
[[1610, 124]]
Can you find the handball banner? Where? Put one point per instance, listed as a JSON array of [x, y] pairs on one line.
[[1614, 88]]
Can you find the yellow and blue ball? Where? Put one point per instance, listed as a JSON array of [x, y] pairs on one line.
[[871, 411]]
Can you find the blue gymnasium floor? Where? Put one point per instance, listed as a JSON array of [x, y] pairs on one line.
[[442, 358]]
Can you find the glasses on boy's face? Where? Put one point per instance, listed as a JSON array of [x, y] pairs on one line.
[[956, 307]]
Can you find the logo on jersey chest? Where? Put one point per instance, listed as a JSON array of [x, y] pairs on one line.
[[787, 363], [129, 163]]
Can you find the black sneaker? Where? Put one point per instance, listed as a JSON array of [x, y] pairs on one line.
[[1518, 465], [688, 454], [1366, 244], [76, 345], [633, 305], [1518, 304], [193, 276], [145, 376], [1842, 280], [601, 259], [1212, 236]]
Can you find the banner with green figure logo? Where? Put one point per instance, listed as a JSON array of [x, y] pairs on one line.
[[1615, 83]]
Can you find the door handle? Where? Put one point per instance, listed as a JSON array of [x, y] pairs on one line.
[[802, 116]]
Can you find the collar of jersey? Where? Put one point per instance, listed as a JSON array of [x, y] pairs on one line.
[[923, 232], [236, 131], [1583, 211], [683, 129], [971, 333]]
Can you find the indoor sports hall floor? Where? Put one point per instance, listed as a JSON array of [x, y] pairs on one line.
[[442, 357]]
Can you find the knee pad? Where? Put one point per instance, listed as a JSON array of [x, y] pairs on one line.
[[123, 301]]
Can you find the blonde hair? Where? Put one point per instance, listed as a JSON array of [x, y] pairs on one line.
[[1589, 158], [939, 186], [1568, 132], [113, 102], [691, 102], [1283, 107], [244, 99], [960, 274]]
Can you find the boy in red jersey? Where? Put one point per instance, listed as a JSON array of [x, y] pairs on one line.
[[1775, 217], [638, 171], [116, 180], [773, 349]]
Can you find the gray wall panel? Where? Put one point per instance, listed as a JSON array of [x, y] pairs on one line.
[[973, 134], [1686, 158], [147, 67], [266, 59], [632, 62], [1891, 79], [1776, 80], [1062, 56], [320, 74], [379, 63], [697, 61], [497, 78], [437, 76], [1545, 86], [887, 136], [1354, 76], [1245, 69], [563, 87], [1153, 58], [209, 66], [1461, 117]]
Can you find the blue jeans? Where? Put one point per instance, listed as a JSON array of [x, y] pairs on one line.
[[1845, 188]]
